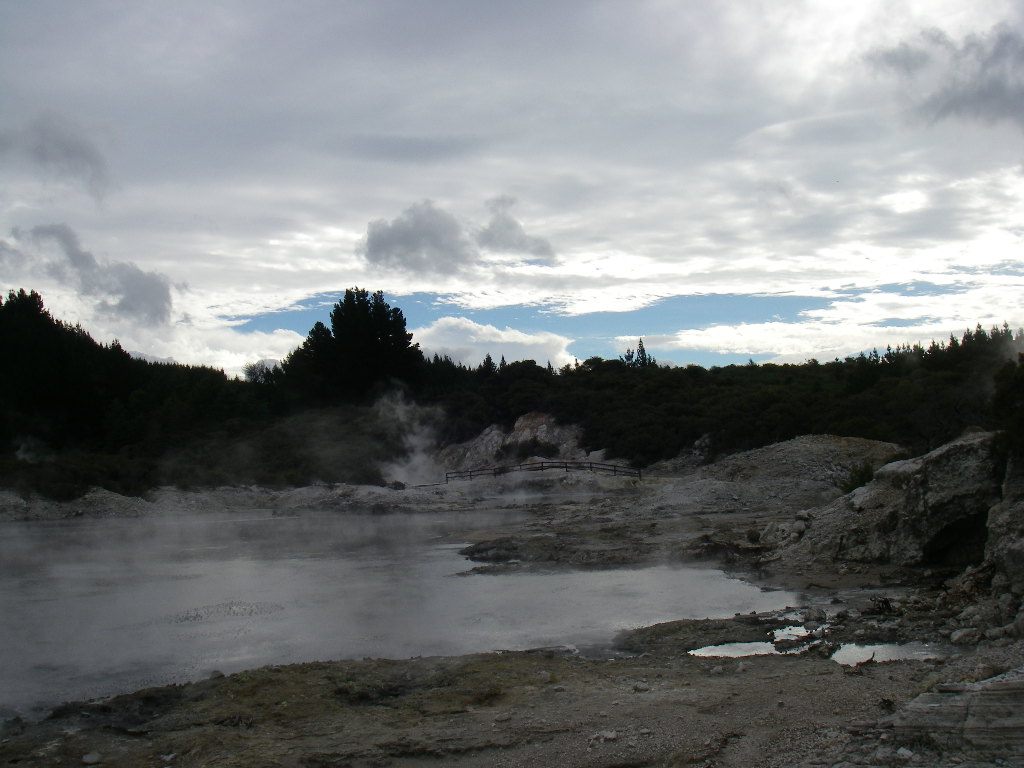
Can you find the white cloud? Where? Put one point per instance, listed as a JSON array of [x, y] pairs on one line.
[[859, 323], [468, 342], [219, 347]]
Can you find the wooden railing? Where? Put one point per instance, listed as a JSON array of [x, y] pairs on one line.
[[540, 466]]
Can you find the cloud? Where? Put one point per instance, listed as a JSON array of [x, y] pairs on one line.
[[980, 78], [123, 289], [427, 240], [857, 322], [468, 342], [63, 149], [394, 148], [904, 58], [220, 347], [423, 239], [504, 233], [710, 148], [12, 260]]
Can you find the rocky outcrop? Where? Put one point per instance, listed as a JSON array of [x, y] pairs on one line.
[[803, 472], [929, 510], [97, 502], [776, 484], [532, 433], [1004, 549], [970, 724], [984, 718]]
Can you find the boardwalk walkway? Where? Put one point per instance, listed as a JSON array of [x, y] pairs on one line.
[[540, 466]]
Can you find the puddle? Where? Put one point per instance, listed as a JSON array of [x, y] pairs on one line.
[[851, 654], [736, 650], [847, 655], [791, 633]]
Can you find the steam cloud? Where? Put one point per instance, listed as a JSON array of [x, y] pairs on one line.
[[414, 426]]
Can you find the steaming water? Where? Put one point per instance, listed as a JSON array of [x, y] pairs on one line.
[[95, 607]]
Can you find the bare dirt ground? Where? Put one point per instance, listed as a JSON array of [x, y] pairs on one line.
[[646, 702]]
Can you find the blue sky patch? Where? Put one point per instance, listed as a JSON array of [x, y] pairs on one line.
[[593, 334], [918, 288], [900, 322]]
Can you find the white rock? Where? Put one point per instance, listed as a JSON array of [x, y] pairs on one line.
[[905, 754], [965, 636]]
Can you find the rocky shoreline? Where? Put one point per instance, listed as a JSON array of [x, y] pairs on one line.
[[927, 552]]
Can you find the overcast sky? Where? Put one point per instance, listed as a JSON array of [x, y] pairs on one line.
[[549, 180]]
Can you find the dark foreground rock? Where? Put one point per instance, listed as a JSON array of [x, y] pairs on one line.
[[954, 724]]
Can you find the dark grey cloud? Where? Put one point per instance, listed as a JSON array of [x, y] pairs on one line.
[[12, 260], [504, 233], [425, 239], [122, 288], [422, 239], [980, 77], [62, 149], [903, 58]]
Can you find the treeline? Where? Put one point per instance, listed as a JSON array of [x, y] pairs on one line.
[[76, 413], [919, 397]]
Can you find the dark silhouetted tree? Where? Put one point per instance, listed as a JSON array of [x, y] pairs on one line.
[[639, 358], [366, 345]]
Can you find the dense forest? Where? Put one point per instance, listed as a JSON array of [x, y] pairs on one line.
[[75, 413]]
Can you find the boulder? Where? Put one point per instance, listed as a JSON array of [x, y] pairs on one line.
[[531, 429], [929, 510]]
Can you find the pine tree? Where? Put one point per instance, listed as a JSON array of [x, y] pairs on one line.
[[366, 344], [639, 358], [487, 368], [642, 361]]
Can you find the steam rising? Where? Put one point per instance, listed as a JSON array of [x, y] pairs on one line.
[[415, 426]]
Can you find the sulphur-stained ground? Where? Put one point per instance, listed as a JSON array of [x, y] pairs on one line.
[[644, 700]]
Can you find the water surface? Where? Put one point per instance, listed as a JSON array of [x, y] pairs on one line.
[[96, 607]]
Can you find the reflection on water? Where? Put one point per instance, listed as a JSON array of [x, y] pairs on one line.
[[848, 654], [856, 654], [735, 650], [103, 606]]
